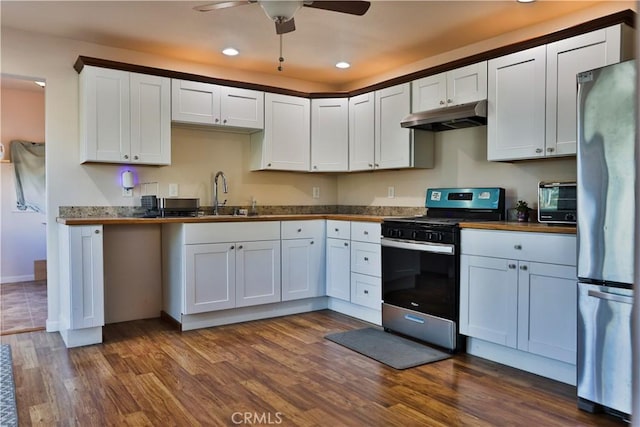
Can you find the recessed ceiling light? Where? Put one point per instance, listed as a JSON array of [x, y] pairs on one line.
[[230, 51], [343, 65], [40, 83]]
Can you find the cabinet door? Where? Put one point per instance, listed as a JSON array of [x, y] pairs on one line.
[[210, 277], [392, 142], [547, 310], [467, 84], [257, 273], [565, 59], [516, 105], [85, 275], [105, 119], [338, 269], [195, 102], [302, 269], [361, 132], [150, 119], [489, 299], [242, 108], [429, 93], [286, 143], [329, 135]]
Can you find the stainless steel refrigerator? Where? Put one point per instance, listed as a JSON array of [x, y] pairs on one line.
[[606, 217]]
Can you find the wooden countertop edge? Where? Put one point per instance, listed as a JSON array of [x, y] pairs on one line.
[[212, 218], [532, 227]]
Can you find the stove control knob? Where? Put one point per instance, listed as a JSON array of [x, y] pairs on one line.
[[400, 233], [414, 235]]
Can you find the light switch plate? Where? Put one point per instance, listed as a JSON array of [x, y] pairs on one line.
[[391, 192], [173, 190], [316, 192]]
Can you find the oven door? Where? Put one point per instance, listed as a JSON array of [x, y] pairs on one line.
[[421, 277]]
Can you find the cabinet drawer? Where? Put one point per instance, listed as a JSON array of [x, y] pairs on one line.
[[310, 229], [365, 232], [365, 258], [366, 290], [231, 232], [338, 229], [539, 247]]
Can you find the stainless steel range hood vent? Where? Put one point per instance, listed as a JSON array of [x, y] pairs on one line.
[[458, 117]]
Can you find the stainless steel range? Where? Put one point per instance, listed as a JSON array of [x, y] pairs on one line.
[[421, 263]]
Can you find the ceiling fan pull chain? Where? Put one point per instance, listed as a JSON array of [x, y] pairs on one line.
[[280, 59]]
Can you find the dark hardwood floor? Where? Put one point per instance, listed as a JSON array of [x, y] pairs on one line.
[[279, 372]]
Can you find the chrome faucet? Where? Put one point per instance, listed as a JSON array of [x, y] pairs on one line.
[[225, 189]]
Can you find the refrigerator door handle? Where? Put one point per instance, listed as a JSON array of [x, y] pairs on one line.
[[610, 297]]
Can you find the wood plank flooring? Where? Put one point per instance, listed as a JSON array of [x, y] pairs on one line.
[[23, 307], [278, 371]]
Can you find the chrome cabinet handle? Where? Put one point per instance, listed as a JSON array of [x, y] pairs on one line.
[[441, 102], [524, 268], [449, 100], [366, 292], [126, 156], [550, 150], [538, 150], [376, 165], [512, 266], [366, 233], [232, 247], [517, 247], [97, 231], [370, 165], [337, 230], [217, 120], [135, 157], [299, 230], [346, 244], [268, 165], [240, 247], [224, 121], [366, 258]]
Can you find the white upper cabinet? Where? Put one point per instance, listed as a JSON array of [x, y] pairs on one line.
[[392, 142], [361, 131], [285, 143], [209, 104], [124, 117], [330, 135], [515, 108], [532, 94], [565, 59], [376, 139], [455, 87]]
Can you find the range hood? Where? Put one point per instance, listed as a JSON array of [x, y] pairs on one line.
[[458, 117]]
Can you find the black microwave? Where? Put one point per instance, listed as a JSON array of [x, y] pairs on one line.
[[557, 202]]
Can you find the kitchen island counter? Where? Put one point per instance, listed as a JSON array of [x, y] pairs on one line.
[[533, 227]]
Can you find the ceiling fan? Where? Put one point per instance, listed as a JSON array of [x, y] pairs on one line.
[[281, 12]]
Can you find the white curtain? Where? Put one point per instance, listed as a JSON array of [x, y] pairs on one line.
[[28, 158]]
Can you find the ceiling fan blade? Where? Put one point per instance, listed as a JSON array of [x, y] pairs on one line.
[[351, 7], [221, 5], [285, 27]]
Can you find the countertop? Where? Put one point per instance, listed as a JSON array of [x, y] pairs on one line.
[[214, 218], [532, 227]]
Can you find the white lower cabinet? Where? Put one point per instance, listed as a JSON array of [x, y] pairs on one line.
[[303, 258], [354, 269], [216, 266], [81, 284], [519, 290]]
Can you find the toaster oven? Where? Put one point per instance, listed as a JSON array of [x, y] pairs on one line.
[[557, 202]]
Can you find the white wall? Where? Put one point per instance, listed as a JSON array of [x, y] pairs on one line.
[[72, 184], [23, 232]]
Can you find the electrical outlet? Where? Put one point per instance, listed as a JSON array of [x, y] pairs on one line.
[[173, 190], [391, 192], [316, 192], [127, 192]]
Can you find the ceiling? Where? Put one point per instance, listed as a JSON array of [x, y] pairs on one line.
[[391, 34]]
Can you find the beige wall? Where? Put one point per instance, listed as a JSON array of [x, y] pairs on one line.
[[23, 232], [70, 183]]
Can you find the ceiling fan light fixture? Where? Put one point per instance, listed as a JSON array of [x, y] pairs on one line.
[[230, 51], [343, 65], [280, 11]]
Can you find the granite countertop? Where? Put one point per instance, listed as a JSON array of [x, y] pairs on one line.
[[534, 227], [215, 218]]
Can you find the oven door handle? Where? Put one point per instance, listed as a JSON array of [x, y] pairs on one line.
[[439, 248]]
